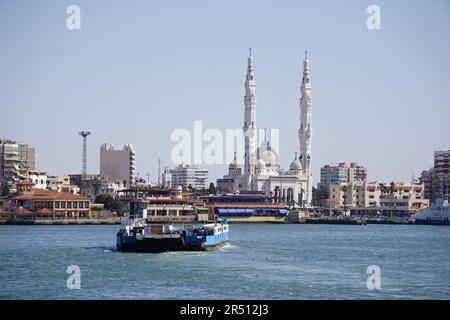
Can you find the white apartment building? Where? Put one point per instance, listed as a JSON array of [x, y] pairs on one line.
[[39, 178], [395, 197], [119, 164], [185, 176], [336, 173]]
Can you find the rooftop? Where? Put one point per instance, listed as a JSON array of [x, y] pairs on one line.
[[40, 194]]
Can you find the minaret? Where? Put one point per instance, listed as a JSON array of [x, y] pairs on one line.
[[249, 125], [305, 131]]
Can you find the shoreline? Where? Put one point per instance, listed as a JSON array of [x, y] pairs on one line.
[[257, 220]]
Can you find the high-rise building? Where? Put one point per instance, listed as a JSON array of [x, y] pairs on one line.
[[441, 181], [119, 164], [185, 176], [27, 157], [437, 179], [343, 172], [16, 159]]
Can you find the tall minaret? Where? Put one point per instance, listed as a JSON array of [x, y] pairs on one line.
[[305, 131], [249, 125]]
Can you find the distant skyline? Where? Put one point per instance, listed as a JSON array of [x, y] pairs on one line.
[[138, 70]]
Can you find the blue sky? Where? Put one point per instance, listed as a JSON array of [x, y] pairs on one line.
[[137, 70]]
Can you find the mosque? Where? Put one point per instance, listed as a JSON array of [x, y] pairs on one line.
[[261, 170]]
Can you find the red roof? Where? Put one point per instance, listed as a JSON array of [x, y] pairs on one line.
[[40, 194]]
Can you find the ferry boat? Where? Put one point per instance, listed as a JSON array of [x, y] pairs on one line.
[[137, 236], [438, 214]]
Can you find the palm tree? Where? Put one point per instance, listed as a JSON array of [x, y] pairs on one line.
[[391, 193]]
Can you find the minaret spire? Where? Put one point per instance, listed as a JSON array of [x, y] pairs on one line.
[[305, 131], [249, 124]]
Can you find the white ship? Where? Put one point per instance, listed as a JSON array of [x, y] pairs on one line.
[[437, 213]]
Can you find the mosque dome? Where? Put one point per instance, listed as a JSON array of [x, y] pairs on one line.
[[296, 164], [260, 164], [266, 153], [234, 164]]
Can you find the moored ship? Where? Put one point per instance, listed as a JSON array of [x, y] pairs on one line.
[[437, 214]]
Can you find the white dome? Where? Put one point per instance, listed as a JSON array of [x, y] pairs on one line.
[[260, 164], [296, 164], [234, 164], [266, 153]]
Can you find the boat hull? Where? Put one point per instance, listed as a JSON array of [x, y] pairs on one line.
[[149, 245], [433, 222]]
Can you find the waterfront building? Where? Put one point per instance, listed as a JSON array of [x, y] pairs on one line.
[[343, 172], [185, 176], [16, 159], [118, 164], [260, 170], [31, 201], [394, 198], [437, 179]]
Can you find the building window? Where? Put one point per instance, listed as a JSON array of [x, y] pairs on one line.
[[80, 205], [75, 204], [69, 204], [86, 204], [57, 204], [63, 204]]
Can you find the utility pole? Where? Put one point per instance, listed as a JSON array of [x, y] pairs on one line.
[[84, 134]]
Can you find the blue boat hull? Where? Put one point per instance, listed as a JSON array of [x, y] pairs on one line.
[[433, 222]]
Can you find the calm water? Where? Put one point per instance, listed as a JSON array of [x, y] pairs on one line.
[[263, 261]]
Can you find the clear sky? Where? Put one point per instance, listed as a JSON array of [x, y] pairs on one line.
[[137, 70]]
